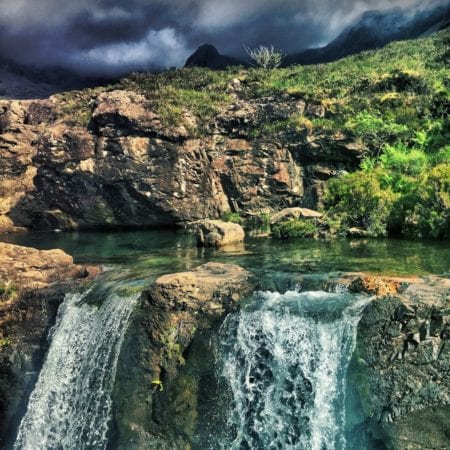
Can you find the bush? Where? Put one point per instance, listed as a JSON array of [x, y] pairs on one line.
[[265, 57], [426, 213], [358, 200], [294, 229]]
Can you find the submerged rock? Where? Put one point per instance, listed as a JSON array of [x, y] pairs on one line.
[[215, 233]]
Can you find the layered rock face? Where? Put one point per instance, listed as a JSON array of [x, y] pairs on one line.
[[127, 169], [29, 300]]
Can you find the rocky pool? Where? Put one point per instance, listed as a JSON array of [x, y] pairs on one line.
[[279, 372]]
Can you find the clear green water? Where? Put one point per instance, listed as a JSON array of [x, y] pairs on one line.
[[155, 252]]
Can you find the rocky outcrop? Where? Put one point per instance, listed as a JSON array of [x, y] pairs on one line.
[[31, 290], [167, 357], [215, 233], [117, 163], [401, 366]]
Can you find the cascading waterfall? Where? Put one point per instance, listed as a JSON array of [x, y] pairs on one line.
[[70, 406], [284, 360]]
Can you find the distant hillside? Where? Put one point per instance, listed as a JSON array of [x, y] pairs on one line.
[[372, 30], [375, 29], [18, 81]]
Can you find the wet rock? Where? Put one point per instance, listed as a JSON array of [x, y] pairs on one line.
[[32, 285], [357, 232], [215, 233], [400, 366]]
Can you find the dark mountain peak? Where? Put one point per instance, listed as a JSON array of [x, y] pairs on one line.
[[207, 50], [208, 56]]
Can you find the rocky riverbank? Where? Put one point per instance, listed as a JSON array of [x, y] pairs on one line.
[[32, 286]]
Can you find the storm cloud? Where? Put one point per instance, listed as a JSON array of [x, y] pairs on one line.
[[108, 37]]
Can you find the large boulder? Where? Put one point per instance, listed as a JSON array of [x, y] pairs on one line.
[[167, 354], [29, 268], [399, 373], [215, 233]]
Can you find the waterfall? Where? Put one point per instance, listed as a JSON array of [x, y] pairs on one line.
[[284, 361], [70, 406]]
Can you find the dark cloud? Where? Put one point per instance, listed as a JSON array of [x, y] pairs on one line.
[[114, 36]]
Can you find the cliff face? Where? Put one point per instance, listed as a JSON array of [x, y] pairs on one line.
[[126, 168]]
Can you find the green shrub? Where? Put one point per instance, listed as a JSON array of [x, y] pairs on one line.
[[295, 228], [358, 200], [403, 160], [426, 213]]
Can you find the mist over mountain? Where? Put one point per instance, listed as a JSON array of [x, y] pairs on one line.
[[375, 29], [108, 38]]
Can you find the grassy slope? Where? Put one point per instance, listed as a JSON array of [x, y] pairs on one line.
[[395, 99]]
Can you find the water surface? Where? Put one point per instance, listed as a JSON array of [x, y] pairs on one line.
[[159, 252]]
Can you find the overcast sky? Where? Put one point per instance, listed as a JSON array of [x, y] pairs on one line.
[[113, 36]]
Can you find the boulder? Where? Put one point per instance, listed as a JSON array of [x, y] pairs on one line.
[[29, 268], [357, 232], [215, 233], [294, 213], [168, 349], [399, 370]]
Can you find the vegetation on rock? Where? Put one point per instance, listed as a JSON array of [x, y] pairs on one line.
[[295, 228]]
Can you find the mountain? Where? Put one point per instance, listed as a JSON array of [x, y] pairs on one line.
[[375, 29], [25, 82], [208, 56]]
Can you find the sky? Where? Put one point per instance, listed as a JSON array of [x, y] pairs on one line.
[[110, 37]]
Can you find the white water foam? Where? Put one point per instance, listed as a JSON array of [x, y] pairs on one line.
[[70, 406], [285, 363]]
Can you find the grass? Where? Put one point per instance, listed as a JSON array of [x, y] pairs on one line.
[[8, 292], [401, 84]]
